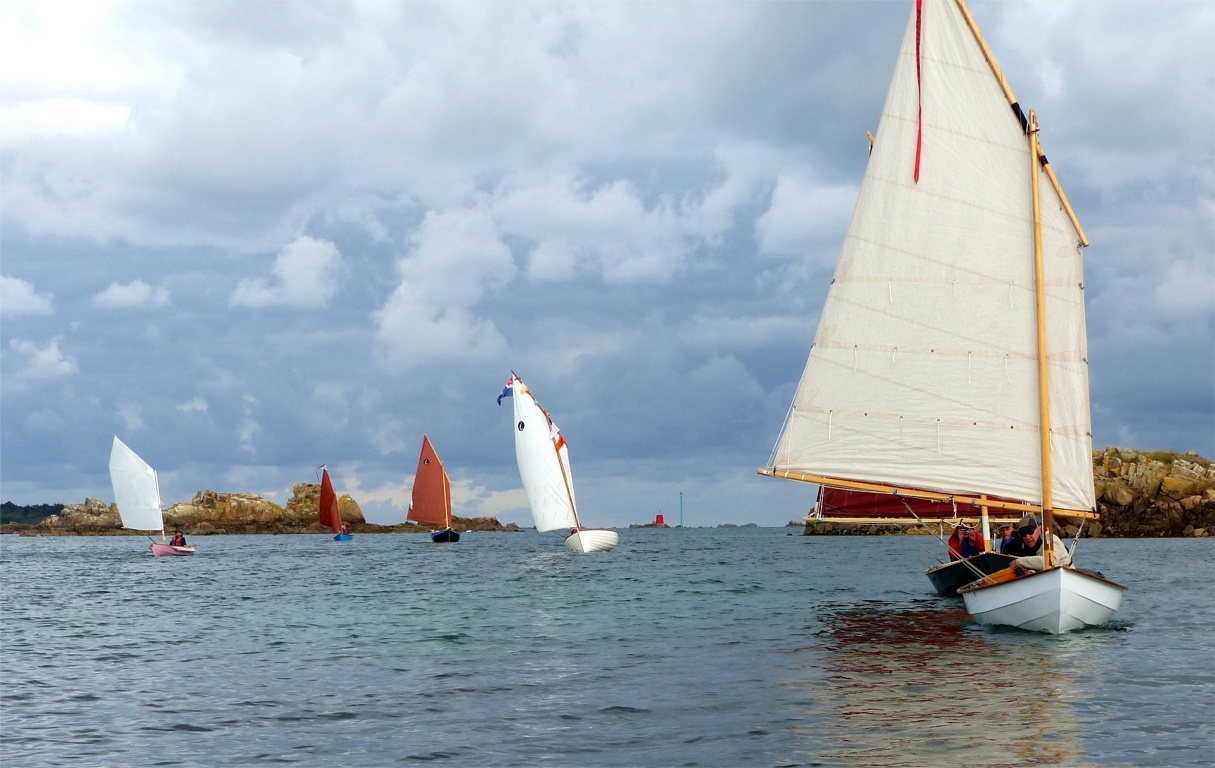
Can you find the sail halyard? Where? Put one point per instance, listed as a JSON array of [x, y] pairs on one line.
[[923, 375]]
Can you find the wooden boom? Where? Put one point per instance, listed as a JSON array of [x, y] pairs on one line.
[[917, 493]]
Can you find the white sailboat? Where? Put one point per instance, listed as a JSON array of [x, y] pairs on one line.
[[544, 467], [950, 365], [137, 494]]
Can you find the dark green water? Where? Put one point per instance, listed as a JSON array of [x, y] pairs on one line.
[[700, 648]]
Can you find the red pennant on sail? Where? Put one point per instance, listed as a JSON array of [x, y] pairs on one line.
[[919, 82]]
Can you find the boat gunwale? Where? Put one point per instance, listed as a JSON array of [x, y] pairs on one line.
[[977, 586]]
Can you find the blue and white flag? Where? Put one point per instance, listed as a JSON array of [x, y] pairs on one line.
[[506, 391]]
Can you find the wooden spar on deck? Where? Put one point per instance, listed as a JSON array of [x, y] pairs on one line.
[[916, 493], [1012, 102], [1048, 522]]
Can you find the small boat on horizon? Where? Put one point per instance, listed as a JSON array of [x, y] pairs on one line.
[[330, 514], [544, 467], [137, 495], [431, 501]]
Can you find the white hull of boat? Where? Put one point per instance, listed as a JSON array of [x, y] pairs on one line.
[[587, 540], [1055, 601]]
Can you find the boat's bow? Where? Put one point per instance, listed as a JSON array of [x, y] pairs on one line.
[[583, 540], [1056, 601]]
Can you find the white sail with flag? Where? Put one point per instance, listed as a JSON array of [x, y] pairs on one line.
[[544, 467]]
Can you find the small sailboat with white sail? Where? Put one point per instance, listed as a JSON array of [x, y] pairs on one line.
[[544, 467], [431, 503], [949, 371], [330, 514], [137, 494]]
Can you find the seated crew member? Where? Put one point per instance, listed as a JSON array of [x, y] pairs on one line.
[[1027, 548], [965, 542], [1007, 534], [179, 539], [345, 529]]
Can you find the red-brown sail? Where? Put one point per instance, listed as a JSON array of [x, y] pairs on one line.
[[330, 516], [431, 490]]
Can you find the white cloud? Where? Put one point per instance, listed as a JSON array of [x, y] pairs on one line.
[[305, 275], [1187, 288], [805, 221], [606, 230], [134, 294], [197, 404], [131, 414], [42, 362], [456, 257], [17, 298]]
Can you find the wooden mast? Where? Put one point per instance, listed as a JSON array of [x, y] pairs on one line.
[[1048, 519], [446, 499], [569, 493]]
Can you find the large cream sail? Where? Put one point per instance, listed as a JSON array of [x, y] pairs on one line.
[[923, 371], [136, 490]]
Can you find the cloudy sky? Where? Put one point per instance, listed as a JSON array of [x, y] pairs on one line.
[[250, 238]]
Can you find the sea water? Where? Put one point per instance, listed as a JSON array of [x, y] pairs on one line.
[[713, 647]]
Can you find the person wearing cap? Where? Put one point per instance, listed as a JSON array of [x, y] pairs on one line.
[[965, 542], [179, 539], [1008, 533], [1027, 547]]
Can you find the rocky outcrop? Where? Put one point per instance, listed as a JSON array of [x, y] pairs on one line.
[[305, 505], [1152, 494], [224, 509], [91, 516], [212, 512]]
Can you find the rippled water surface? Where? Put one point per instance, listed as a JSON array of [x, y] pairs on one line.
[[701, 647]]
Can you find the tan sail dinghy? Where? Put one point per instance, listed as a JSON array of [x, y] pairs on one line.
[[544, 467], [950, 364]]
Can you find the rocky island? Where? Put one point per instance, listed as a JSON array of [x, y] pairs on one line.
[[214, 513], [1139, 495]]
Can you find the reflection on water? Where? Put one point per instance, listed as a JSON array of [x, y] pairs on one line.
[[920, 685]]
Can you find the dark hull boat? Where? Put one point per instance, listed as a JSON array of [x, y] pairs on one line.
[[449, 536], [949, 577]]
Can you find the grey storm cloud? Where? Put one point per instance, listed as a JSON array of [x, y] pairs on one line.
[[304, 233]]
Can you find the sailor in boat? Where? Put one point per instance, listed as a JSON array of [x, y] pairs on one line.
[[1007, 535], [1028, 547], [179, 539], [345, 529], [965, 542]]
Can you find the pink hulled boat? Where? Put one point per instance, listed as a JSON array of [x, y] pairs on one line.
[[168, 550]]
